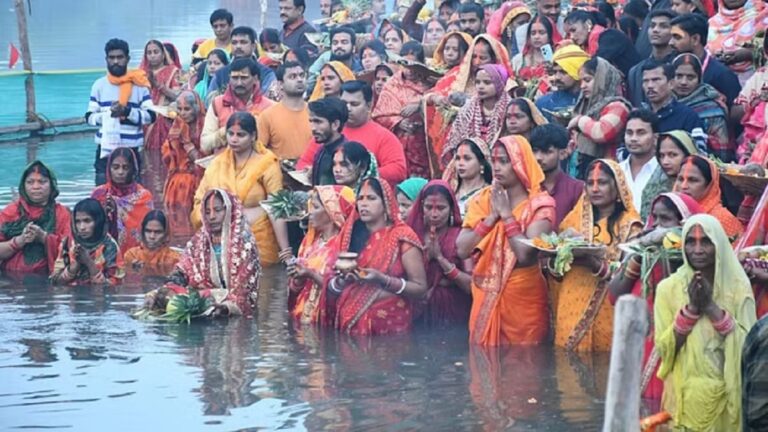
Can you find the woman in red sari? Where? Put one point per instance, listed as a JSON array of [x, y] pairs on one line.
[[163, 75], [509, 292], [125, 201], [330, 206], [32, 227], [436, 219], [756, 234], [451, 92], [221, 261], [180, 151], [376, 299], [668, 211], [398, 109]]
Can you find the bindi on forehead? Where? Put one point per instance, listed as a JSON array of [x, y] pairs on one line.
[[595, 175]]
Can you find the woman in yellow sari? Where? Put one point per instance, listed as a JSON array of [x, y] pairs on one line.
[[604, 215], [251, 172], [509, 293], [332, 76], [309, 275], [702, 315]]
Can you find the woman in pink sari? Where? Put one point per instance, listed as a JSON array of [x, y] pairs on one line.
[[436, 219], [376, 299]]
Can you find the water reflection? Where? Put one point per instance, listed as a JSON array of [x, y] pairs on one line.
[[265, 373]]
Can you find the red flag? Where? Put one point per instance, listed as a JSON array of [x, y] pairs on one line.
[[13, 56]]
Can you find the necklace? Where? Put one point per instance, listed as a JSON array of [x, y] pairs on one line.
[[245, 162]]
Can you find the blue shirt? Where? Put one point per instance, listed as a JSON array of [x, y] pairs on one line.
[[555, 101]]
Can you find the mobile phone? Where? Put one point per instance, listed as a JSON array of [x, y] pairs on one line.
[[546, 52]]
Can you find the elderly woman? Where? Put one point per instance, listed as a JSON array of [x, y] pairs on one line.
[[701, 317], [180, 151], [33, 226]]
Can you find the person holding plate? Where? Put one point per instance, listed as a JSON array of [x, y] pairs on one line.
[[376, 297], [604, 216]]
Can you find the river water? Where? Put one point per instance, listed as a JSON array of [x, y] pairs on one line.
[[73, 358]]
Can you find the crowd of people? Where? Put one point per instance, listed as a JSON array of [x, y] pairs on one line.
[[438, 145]]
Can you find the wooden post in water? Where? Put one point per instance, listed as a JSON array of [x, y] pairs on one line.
[[622, 401], [26, 58]]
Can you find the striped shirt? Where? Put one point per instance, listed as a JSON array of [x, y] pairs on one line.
[[103, 95]]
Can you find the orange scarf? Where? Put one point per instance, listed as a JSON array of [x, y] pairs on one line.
[[126, 82]]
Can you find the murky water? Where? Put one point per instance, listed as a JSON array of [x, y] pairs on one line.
[[72, 358]]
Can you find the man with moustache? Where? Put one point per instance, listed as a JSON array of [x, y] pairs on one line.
[[566, 63], [284, 127], [295, 27], [657, 87], [343, 40], [243, 46], [119, 103], [242, 94], [659, 34]]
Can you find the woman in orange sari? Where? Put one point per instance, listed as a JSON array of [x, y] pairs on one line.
[[509, 292], [153, 257], [376, 299], [699, 178], [163, 75], [329, 208], [180, 151], [124, 200], [451, 92], [397, 109], [605, 216], [332, 76]]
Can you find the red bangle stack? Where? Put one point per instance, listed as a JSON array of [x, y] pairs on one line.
[[512, 227], [632, 270], [14, 245], [685, 321], [725, 325], [453, 273], [482, 230], [604, 272]]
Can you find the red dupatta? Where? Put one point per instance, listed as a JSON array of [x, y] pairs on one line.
[[238, 268], [182, 139], [167, 75], [311, 305], [382, 253], [125, 205]]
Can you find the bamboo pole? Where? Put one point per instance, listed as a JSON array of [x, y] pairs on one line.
[[37, 126], [26, 58], [622, 402]]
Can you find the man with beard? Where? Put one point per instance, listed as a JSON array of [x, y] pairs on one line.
[[359, 127], [119, 107], [472, 18], [295, 27], [550, 147], [343, 40], [243, 46], [284, 127], [659, 34], [566, 63], [243, 94], [327, 117]]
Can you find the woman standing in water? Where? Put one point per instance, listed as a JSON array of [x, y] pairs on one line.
[[181, 150], [91, 255], [153, 257], [32, 227], [376, 299], [163, 75], [124, 200]]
